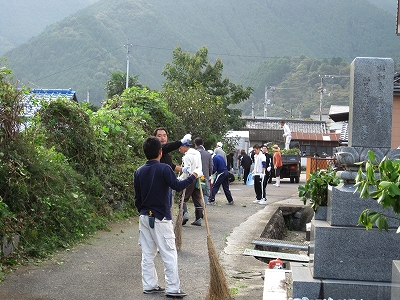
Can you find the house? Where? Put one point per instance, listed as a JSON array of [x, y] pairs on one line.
[[32, 100], [308, 135]]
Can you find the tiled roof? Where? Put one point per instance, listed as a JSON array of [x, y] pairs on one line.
[[333, 137], [31, 101], [317, 127]]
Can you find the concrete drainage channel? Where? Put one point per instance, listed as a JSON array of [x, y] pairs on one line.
[[284, 239]]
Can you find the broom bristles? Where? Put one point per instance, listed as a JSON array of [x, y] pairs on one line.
[[178, 230], [178, 224], [218, 288]]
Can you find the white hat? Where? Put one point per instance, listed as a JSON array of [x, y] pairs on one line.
[[219, 144]]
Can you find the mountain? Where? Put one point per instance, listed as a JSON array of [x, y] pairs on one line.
[[82, 50], [20, 20]]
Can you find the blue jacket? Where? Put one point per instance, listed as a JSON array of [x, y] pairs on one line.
[[151, 183], [219, 164]]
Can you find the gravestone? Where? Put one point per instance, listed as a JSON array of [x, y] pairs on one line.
[[347, 261]]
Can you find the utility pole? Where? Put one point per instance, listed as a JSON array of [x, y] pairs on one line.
[[266, 102], [322, 91], [87, 95], [127, 46]]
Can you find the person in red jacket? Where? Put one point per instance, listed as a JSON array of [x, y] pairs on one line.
[[277, 158]]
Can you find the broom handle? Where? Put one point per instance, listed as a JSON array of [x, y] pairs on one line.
[[204, 207]]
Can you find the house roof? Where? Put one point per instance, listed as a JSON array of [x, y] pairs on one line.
[[308, 126], [329, 137], [31, 100], [339, 113]]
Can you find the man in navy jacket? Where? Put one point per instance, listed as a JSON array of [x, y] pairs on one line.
[[152, 182]]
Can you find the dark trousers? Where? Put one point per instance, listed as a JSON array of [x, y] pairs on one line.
[[258, 186], [192, 191], [221, 179], [265, 182], [246, 174]]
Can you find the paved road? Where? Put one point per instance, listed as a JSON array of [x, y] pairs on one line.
[[107, 266]]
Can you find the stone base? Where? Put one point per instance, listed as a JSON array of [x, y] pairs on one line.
[[396, 280], [352, 253], [304, 285]]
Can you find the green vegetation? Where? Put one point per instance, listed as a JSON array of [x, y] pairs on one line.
[[293, 86], [196, 92], [379, 181], [315, 191], [70, 171]]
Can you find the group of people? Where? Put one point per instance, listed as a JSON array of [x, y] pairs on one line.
[[153, 185], [155, 180], [263, 164]]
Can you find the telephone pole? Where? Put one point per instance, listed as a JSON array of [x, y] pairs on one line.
[[127, 46]]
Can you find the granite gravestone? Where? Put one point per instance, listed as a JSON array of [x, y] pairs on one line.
[[347, 261]]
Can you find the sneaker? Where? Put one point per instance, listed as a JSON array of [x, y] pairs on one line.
[[231, 203], [256, 201], [197, 222], [262, 201], [185, 218], [158, 289], [178, 294], [211, 202]]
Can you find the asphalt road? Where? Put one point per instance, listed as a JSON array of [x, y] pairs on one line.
[[107, 266]]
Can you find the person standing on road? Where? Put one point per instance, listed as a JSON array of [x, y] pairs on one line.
[[277, 159], [229, 162], [191, 160], [222, 178], [239, 164], [152, 182], [269, 165], [162, 135], [258, 174], [206, 165], [246, 163], [218, 150], [287, 134]]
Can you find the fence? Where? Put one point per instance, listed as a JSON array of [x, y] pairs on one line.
[[314, 163]]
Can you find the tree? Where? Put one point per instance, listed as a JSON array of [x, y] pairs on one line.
[[189, 75], [117, 83], [11, 106]]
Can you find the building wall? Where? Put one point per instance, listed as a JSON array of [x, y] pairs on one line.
[[396, 122]]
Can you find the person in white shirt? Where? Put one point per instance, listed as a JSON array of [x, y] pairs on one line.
[[191, 160], [287, 134], [259, 174]]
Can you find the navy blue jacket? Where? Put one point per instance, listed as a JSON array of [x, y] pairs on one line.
[[219, 164], [152, 182]]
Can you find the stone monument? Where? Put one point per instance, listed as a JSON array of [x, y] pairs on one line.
[[347, 261]]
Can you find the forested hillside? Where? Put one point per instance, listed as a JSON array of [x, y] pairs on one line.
[[82, 51], [20, 20], [293, 86]]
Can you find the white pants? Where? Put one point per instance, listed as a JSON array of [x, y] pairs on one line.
[[160, 237], [287, 141]]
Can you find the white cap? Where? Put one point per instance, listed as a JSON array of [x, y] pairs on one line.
[[219, 144]]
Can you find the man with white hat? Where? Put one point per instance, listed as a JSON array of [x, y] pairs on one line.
[[191, 161], [218, 150]]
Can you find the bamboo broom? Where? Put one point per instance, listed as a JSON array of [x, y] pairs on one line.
[[218, 288], [178, 223]]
